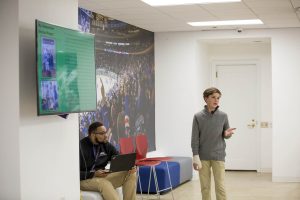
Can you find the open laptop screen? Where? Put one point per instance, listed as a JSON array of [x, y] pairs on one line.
[[122, 162]]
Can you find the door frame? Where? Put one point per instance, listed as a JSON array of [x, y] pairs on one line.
[[239, 62]]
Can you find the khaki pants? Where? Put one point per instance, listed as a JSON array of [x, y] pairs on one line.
[[106, 186], [218, 168]]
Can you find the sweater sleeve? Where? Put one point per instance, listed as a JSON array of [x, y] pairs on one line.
[[226, 126], [195, 137]]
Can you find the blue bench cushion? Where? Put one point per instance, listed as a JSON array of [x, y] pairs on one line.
[[186, 168]]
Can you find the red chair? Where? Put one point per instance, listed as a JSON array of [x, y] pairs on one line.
[[126, 145], [141, 143]]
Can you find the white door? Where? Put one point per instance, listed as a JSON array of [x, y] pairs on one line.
[[240, 96]]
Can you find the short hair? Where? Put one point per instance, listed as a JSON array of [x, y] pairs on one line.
[[94, 126], [210, 91]]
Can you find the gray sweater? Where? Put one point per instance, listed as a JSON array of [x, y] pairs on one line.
[[207, 134]]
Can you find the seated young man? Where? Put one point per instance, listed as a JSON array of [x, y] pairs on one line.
[[95, 152]]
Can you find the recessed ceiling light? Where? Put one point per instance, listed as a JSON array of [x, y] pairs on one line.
[[184, 2], [227, 22]]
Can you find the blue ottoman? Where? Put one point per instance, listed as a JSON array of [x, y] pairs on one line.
[[162, 177], [186, 168]]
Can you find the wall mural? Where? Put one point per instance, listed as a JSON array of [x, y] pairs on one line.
[[124, 78]]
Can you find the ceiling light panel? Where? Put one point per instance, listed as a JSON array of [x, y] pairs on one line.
[[184, 2], [227, 22]]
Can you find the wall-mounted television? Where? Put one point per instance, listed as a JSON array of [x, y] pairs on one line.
[[65, 62]]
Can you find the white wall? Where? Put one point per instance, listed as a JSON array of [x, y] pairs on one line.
[[49, 161], [286, 81], [9, 106], [178, 81], [177, 61]]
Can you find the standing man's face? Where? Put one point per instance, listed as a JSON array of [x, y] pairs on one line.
[[100, 134], [212, 101]]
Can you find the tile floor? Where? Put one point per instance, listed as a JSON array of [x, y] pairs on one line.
[[240, 186]]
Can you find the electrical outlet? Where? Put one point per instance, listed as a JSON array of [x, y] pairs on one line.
[[264, 124]]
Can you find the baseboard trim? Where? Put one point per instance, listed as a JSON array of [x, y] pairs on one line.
[[265, 170], [286, 179]]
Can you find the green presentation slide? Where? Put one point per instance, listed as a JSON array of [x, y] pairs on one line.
[[66, 77]]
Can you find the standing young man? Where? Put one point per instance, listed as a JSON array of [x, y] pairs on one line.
[[95, 152], [210, 128]]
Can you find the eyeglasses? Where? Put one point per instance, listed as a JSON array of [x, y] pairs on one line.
[[100, 133]]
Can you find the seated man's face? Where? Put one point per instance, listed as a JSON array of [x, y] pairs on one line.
[[101, 134]]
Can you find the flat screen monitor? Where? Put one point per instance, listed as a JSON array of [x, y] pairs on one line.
[[65, 62]]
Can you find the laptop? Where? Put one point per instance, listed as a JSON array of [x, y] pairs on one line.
[[122, 162]]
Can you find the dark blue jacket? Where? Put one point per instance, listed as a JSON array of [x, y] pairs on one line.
[[94, 157]]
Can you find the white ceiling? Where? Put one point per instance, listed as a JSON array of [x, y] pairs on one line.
[[273, 13]]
